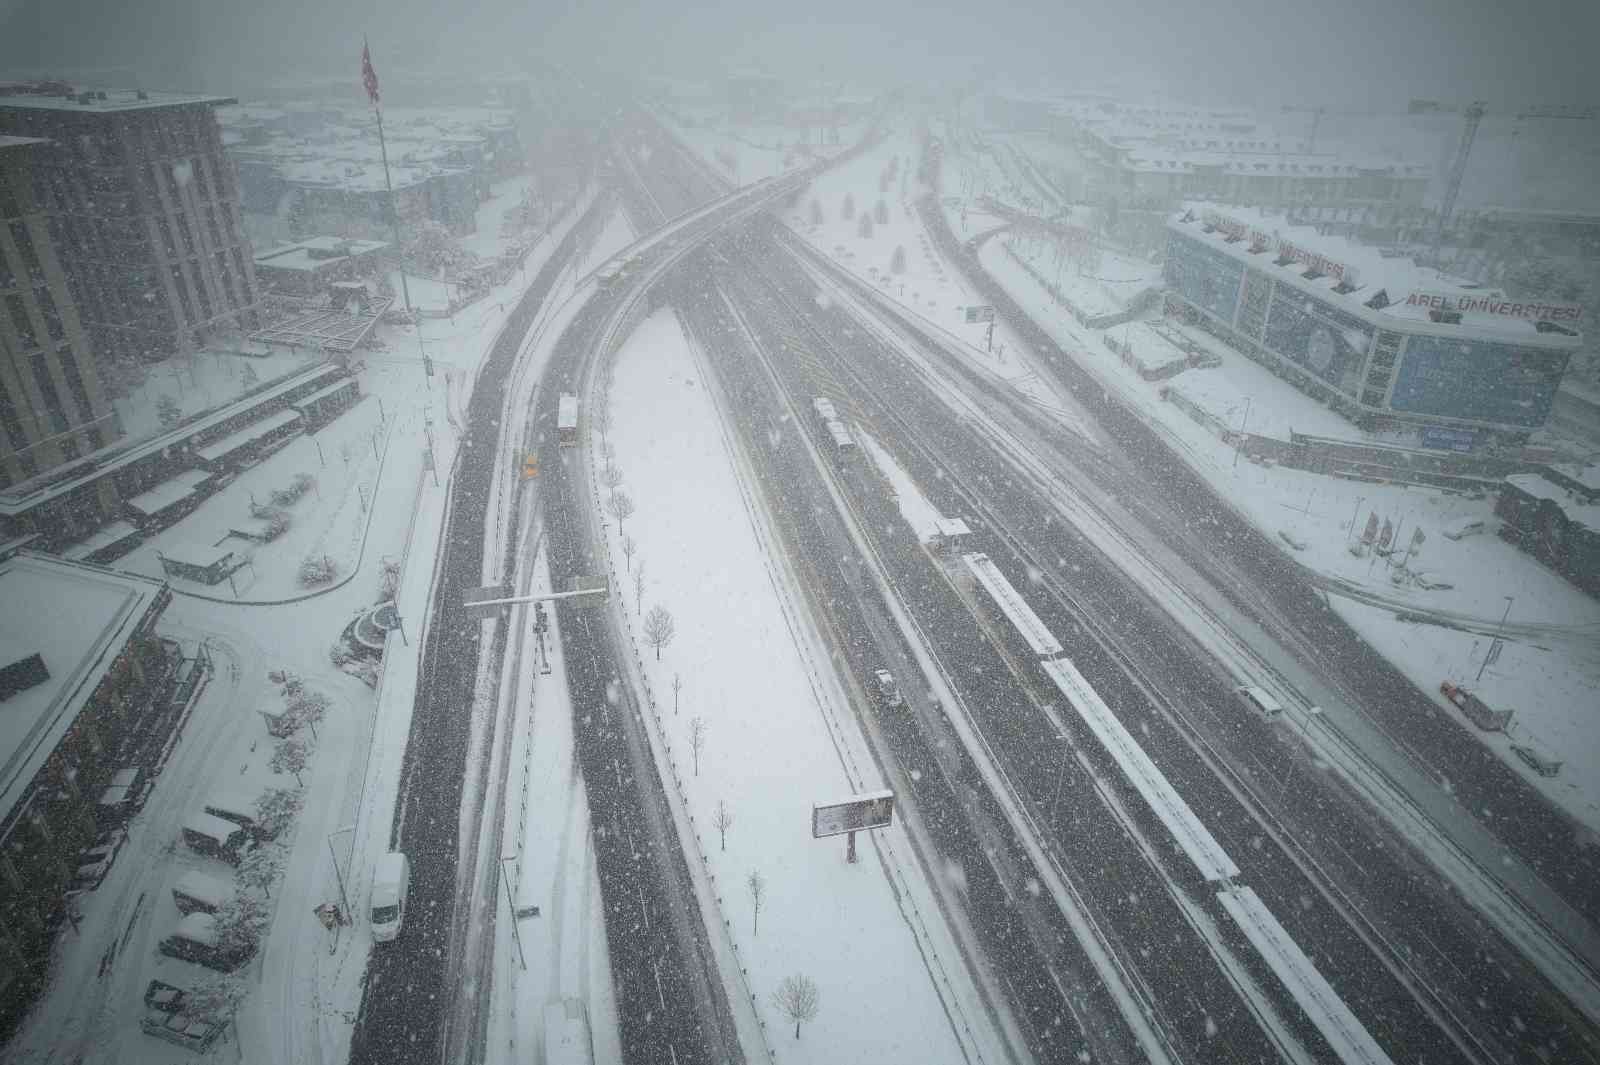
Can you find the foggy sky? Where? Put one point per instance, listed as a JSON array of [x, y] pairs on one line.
[[1355, 54]]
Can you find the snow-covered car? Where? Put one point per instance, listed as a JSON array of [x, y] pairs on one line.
[[888, 692], [95, 862], [1462, 528], [165, 1018]]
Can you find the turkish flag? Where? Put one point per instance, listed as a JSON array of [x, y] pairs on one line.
[[369, 77]]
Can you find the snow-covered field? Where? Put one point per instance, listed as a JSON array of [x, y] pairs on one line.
[[768, 750]]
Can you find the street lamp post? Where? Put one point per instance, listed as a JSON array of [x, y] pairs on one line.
[[1242, 422], [1498, 635], [511, 906], [349, 914]]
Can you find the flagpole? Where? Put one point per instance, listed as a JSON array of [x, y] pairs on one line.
[[394, 212]]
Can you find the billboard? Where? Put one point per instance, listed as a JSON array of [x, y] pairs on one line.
[[1318, 337], [874, 809], [1483, 380], [1445, 438], [1205, 277]]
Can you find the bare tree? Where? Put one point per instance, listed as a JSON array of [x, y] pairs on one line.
[[307, 708], [276, 809], [611, 475], [629, 546], [621, 506], [677, 686], [241, 922], [260, 868], [215, 999], [638, 588], [658, 628], [722, 820], [697, 739], [758, 894], [290, 756], [797, 999]]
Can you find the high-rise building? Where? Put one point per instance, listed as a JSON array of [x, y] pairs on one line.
[[52, 406], [144, 207]]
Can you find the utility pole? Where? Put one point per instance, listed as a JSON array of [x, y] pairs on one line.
[[1242, 422], [370, 78], [511, 906]]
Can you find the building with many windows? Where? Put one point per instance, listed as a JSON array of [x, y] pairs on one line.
[[52, 408], [144, 210], [1389, 343], [1156, 157]]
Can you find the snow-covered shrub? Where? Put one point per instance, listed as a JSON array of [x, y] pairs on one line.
[[317, 568]]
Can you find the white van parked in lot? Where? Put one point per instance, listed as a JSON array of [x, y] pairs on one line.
[[391, 879]]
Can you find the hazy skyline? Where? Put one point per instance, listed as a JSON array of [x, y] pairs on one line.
[[1356, 55]]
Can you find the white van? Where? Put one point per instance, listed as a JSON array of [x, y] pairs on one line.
[[1259, 700], [197, 892], [391, 879]]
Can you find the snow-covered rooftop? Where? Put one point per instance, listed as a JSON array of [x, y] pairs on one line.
[[1154, 158], [20, 497], [302, 254], [358, 177], [1576, 509], [77, 618], [1236, 231], [93, 102]]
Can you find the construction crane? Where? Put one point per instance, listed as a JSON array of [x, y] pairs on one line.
[[1316, 114], [1458, 167], [1472, 115]]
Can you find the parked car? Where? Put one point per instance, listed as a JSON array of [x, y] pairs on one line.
[[1462, 528], [196, 939], [165, 1018], [391, 881], [215, 838], [887, 690], [240, 811], [123, 796], [197, 892], [95, 862]]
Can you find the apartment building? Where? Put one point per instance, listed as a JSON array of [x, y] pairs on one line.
[[144, 209], [52, 406]]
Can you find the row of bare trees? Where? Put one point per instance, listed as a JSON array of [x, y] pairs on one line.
[[797, 997]]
